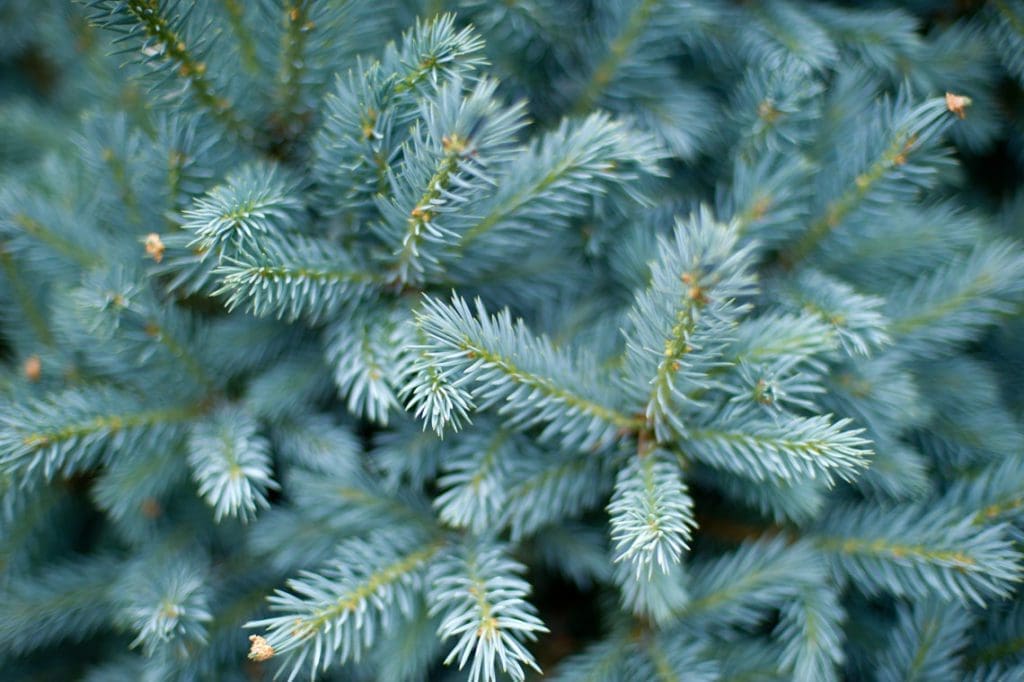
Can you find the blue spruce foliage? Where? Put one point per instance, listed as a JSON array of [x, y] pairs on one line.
[[617, 340]]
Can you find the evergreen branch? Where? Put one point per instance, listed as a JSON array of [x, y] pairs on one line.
[[768, 197], [750, 660], [993, 494], [246, 42], [782, 35], [167, 606], [33, 228], [908, 131], [257, 200], [919, 552], [780, 500], [24, 510], [161, 39], [651, 513], [792, 449], [999, 637], [655, 596], [576, 550], [444, 169], [475, 479], [560, 171], [430, 396], [796, 339], [368, 354], [119, 170], [138, 481], [163, 335], [694, 286], [293, 46], [533, 382], [811, 630], [299, 277], [667, 657], [617, 51], [926, 643], [482, 599], [284, 393], [968, 425], [66, 601], [741, 586], [856, 319], [332, 617], [367, 115], [549, 490], [335, 505], [127, 317], [231, 464], [26, 299], [433, 51], [1009, 38], [68, 431], [317, 443], [953, 304], [420, 223]]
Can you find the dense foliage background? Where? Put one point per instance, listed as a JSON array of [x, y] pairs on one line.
[[435, 339]]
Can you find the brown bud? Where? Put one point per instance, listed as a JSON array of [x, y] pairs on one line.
[[155, 246], [33, 368], [957, 104], [151, 508], [260, 650]]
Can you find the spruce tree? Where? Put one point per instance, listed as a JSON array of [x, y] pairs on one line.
[[466, 339]]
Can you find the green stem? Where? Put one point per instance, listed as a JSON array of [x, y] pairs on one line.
[[421, 215], [999, 508], [352, 600], [894, 550], [894, 155], [179, 351], [246, 43], [909, 324], [548, 387], [293, 43], [34, 228], [120, 172], [677, 345], [111, 424], [27, 300], [511, 205], [994, 652], [928, 637], [617, 51], [158, 27]]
